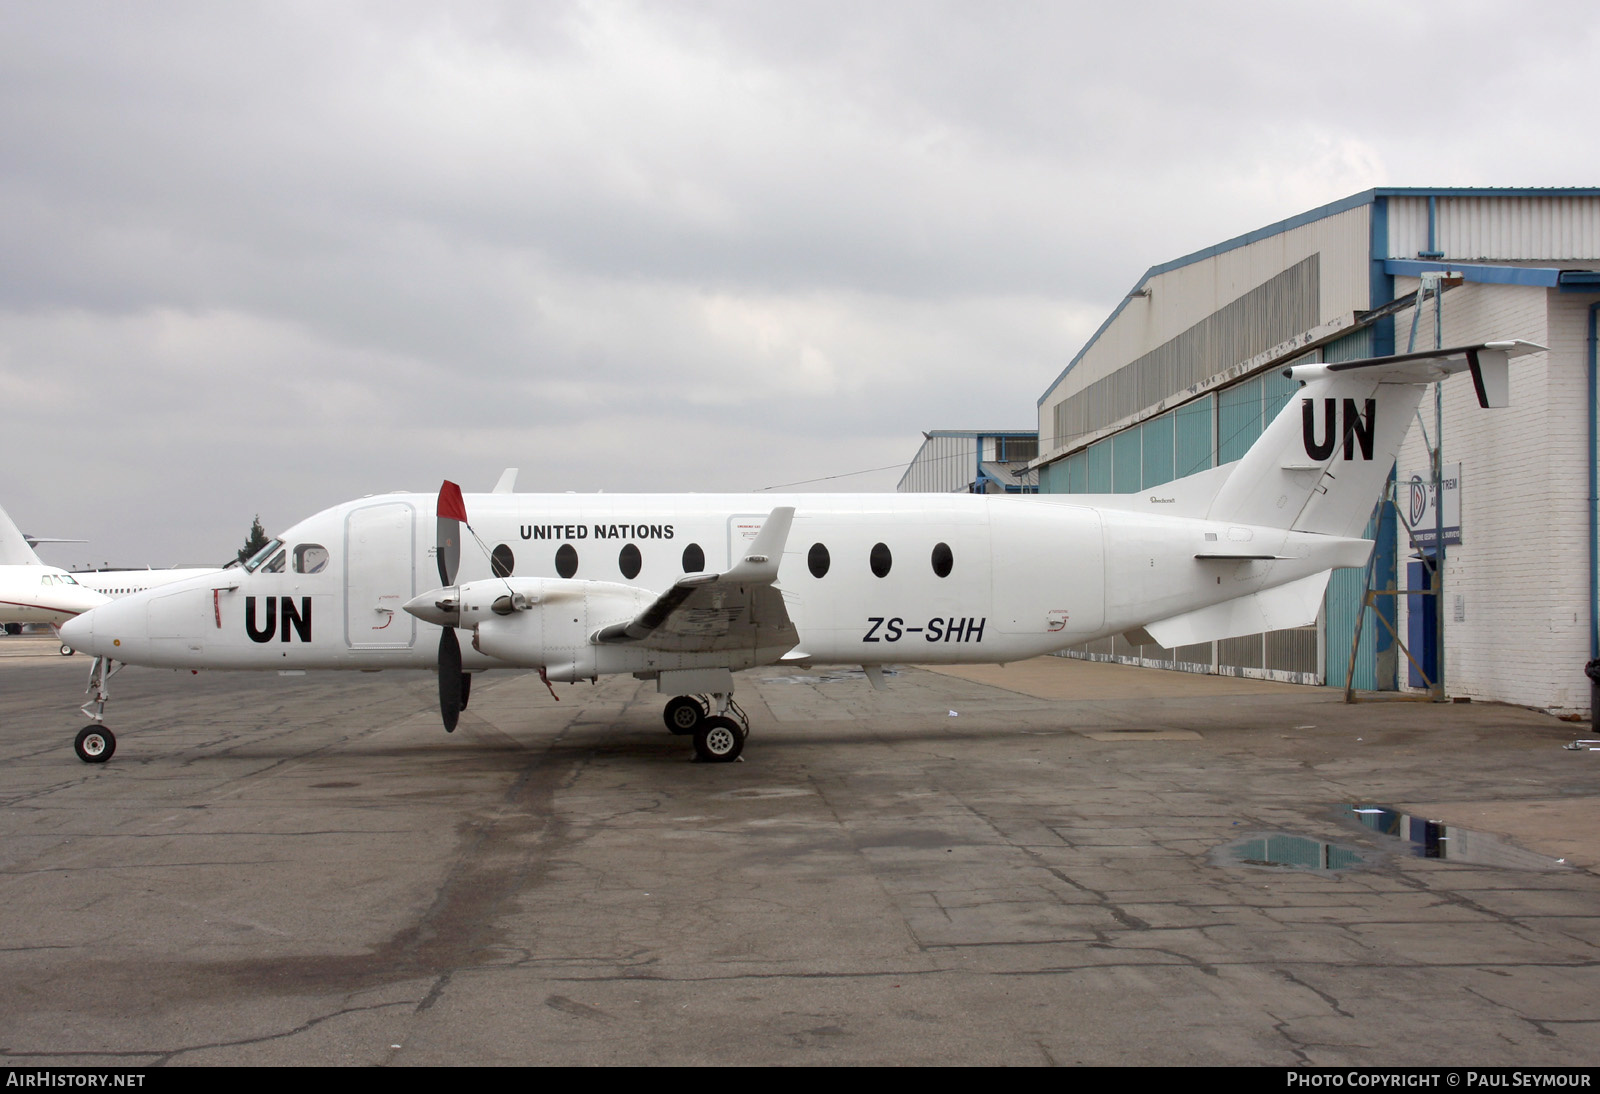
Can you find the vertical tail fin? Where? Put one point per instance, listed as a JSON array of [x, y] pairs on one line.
[[14, 550], [1321, 463]]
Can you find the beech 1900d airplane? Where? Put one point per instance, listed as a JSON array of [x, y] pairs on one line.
[[689, 589]]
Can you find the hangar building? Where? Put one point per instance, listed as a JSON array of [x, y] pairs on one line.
[[1186, 370], [973, 461]]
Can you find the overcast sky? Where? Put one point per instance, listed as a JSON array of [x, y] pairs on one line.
[[264, 258]]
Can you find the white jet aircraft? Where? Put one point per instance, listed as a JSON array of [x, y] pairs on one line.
[[115, 583], [31, 592], [686, 590]]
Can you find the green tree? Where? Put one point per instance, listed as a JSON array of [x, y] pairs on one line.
[[257, 540]]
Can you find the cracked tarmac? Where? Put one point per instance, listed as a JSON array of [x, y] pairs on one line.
[[308, 870]]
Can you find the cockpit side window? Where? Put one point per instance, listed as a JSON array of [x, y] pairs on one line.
[[253, 563], [275, 565], [310, 558]]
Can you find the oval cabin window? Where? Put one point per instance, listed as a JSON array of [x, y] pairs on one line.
[[629, 562], [817, 560], [694, 559], [502, 561], [880, 559], [943, 560], [567, 560]]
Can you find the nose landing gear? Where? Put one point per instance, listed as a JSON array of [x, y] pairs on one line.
[[95, 744]]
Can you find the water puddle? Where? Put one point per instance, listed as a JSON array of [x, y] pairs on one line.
[[830, 677], [1430, 839], [752, 793], [1410, 835], [1291, 853]]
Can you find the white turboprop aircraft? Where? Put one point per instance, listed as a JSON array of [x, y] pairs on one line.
[[689, 589]]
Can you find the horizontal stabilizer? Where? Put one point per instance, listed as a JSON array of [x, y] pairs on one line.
[[1293, 605], [1489, 363]]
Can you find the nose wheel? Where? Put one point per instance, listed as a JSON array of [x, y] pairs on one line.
[[95, 744]]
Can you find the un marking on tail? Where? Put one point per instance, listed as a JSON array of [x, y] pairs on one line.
[[1356, 427]]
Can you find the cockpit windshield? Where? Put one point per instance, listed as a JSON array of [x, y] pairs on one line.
[[253, 563]]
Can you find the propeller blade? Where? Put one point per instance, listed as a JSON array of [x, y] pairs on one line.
[[452, 515], [450, 697]]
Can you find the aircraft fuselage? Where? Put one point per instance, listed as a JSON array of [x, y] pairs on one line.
[[866, 579]]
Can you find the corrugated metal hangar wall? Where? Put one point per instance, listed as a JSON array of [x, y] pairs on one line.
[[980, 461], [1186, 372]]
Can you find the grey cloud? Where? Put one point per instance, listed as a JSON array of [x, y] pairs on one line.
[[268, 256]]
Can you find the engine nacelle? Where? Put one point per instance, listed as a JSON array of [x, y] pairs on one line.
[[546, 623]]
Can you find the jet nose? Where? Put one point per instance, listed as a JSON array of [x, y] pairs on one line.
[[441, 606]]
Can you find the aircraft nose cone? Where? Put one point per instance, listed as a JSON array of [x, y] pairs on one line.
[[441, 607], [78, 631]]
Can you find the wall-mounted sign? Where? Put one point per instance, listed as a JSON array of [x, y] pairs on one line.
[[1415, 499]]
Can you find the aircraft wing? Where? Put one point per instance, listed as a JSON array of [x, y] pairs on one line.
[[738, 609]]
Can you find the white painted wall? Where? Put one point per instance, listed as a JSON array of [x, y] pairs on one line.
[[1521, 572]]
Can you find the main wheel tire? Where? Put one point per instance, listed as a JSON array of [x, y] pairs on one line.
[[719, 740], [95, 744], [683, 715]]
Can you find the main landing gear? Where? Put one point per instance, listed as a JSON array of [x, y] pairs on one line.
[[718, 738], [95, 743]]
